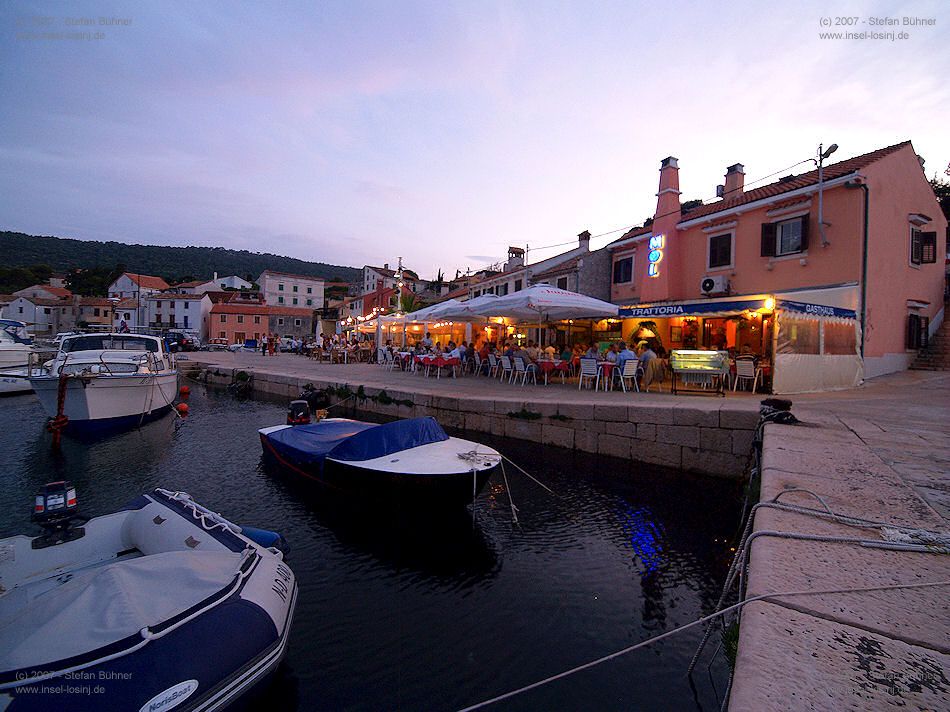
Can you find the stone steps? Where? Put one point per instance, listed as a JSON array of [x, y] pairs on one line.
[[936, 357]]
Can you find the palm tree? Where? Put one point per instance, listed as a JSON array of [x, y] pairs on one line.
[[409, 302]]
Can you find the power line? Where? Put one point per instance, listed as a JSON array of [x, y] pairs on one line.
[[672, 212]]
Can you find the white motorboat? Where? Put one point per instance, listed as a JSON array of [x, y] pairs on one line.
[[15, 345], [163, 604], [107, 380], [15, 381]]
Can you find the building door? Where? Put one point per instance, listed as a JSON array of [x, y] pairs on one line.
[[240, 337], [185, 320]]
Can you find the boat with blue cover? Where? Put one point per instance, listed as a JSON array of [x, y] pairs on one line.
[[412, 460], [162, 605]]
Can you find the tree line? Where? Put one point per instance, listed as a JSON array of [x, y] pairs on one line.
[[23, 254]]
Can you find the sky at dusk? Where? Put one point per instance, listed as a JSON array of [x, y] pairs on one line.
[[357, 132]]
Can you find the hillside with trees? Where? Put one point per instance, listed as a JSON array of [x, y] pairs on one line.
[[27, 255]]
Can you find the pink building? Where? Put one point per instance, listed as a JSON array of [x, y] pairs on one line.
[[823, 303]]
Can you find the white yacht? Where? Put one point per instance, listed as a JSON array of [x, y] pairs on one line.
[[107, 380], [15, 344]]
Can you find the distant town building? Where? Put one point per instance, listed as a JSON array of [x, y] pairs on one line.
[[95, 312], [44, 291], [133, 289], [238, 323], [43, 316], [175, 311], [515, 275], [378, 279], [291, 290], [216, 283]]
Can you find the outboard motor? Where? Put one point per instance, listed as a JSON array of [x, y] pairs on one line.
[[298, 413], [55, 509]]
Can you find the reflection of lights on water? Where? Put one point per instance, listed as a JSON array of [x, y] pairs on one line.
[[645, 537]]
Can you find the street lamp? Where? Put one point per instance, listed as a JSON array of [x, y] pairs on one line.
[[822, 155]]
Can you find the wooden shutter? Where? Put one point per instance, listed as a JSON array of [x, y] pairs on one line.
[[805, 221], [915, 246], [768, 239], [913, 331], [928, 248]]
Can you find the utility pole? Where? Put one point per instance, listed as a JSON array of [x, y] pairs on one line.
[[399, 286]]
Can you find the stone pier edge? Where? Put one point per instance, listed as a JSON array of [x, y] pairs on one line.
[[700, 435]]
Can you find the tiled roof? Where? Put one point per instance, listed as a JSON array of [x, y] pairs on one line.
[[127, 303], [43, 302], [195, 283], [182, 297], [58, 291], [147, 281], [565, 266], [786, 185], [406, 272], [291, 274], [633, 232], [94, 302]]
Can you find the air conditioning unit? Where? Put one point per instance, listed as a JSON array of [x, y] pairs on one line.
[[714, 285]]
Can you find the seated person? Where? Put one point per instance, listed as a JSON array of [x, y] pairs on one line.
[[532, 350], [624, 354], [529, 365], [591, 352], [611, 353], [550, 352], [566, 354], [646, 354]]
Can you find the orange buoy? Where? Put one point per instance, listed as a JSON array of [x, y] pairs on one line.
[[185, 391], [182, 408]]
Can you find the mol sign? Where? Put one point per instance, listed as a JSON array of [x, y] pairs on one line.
[[655, 255]]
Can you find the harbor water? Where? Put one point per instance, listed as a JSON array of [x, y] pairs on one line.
[[435, 610]]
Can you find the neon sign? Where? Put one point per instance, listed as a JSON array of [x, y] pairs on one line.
[[655, 256]]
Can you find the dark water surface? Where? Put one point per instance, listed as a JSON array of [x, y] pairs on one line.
[[428, 611]]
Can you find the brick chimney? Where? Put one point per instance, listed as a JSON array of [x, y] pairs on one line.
[[668, 197], [583, 240], [735, 179]]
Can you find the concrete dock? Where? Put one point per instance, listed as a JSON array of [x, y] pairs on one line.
[[880, 452]]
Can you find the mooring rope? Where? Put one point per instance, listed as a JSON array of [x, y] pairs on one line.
[[704, 619]]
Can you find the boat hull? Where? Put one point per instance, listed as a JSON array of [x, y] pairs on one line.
[[108, 401], [13, 381], [204, 658], [455, 486], [14, 356]]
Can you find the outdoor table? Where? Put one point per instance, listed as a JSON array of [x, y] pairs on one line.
[[607, 368], [548, 366], [439, 362], [405, 360]]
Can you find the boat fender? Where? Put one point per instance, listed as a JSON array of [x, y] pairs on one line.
[[182, 408], [266, 538]]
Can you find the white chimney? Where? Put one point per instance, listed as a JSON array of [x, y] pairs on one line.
[[215, 278]]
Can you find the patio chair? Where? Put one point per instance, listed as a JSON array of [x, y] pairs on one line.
[[589, 371], [630, 368], [746, 371], [492, 366], [522, 372], [507, 368], [477, 363]]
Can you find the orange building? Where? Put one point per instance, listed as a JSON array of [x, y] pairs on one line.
[[829, 286]]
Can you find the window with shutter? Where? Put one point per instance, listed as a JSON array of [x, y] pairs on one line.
[[768, 239], [623, 270], [720, 251], [915, 246], [928, 248]]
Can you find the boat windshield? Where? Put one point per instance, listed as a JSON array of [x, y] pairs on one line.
[[106, 342]]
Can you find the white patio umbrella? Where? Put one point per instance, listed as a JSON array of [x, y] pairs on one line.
[[541, 303], [434, 311], [468, 310]]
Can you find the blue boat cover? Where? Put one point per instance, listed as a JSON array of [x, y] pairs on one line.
[[389, 438], [353, 441]]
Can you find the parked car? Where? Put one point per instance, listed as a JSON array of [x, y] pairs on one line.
[[217, 345], [181, 341]]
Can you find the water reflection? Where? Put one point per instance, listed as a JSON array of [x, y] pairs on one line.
[[446, 545]]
